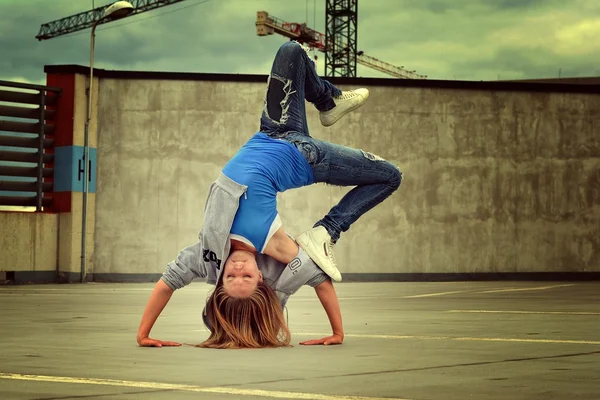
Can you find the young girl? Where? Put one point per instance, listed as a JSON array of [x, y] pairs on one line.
[[243, 248]]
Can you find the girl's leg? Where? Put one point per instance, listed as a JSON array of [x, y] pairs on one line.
[[374, 178], [292, 80]]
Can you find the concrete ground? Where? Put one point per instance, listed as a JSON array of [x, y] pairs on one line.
[[479, 340]]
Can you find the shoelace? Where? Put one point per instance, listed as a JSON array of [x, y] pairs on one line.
[[346, 95], [330, 254]]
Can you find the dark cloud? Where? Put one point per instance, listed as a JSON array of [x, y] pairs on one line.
[[523, 4], [199, 37], [444, 39], [521, 63], [437, 6]]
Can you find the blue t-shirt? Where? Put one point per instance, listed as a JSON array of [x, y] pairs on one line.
[[267, 166]]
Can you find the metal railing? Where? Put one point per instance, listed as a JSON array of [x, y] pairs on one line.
[[27, 144]]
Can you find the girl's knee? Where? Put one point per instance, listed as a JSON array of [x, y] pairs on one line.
[[395, 178], [390, 174], [290, 47]]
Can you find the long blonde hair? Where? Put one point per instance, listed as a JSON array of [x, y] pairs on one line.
[[255, 321]]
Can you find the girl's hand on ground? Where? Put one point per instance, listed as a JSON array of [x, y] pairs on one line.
[[147, 342], [326, 341]]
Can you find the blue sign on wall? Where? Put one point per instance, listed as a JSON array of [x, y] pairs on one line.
[[69, 169]]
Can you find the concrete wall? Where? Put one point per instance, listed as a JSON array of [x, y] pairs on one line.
[[28, 243], [494, 181]]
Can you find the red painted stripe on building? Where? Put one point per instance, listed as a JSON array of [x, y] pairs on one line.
[[63, 132]]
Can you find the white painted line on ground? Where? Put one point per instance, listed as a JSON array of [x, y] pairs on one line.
[[473, 339], [346, 298], [186, 388], [58, 292], [525, 289], [432, 294], [79, 290], [376, 297], [526, 312], [30, 294]]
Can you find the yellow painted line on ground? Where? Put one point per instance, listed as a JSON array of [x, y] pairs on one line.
[[526, 312], [473, 339], [186, 388], [525, 289], [432, 294]]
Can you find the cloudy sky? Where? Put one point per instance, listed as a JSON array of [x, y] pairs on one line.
[[444, 39]]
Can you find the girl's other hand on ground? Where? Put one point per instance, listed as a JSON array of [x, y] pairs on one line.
[[326, 341], [148, 342]]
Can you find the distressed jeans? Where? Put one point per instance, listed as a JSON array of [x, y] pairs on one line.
[[293, 79]]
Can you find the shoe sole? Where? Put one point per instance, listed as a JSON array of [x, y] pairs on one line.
[[334, 275], [356, 107]]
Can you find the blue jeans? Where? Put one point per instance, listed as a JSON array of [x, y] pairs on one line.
[[293, 79]]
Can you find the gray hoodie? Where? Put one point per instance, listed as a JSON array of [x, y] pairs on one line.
[[206, 258]]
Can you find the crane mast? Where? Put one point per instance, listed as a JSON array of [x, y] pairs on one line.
[[341, 32], [86, 19], [269, 25]]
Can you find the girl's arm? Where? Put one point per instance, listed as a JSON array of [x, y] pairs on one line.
[[284, 249], [328, 297], [281, 247], [158, 300], [179, 273]]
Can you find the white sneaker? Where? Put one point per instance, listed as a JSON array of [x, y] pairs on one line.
[[348, 101], [317, 243]]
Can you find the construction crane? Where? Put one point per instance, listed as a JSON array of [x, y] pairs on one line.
[[269, 25], [336, 53], [86, 19]]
